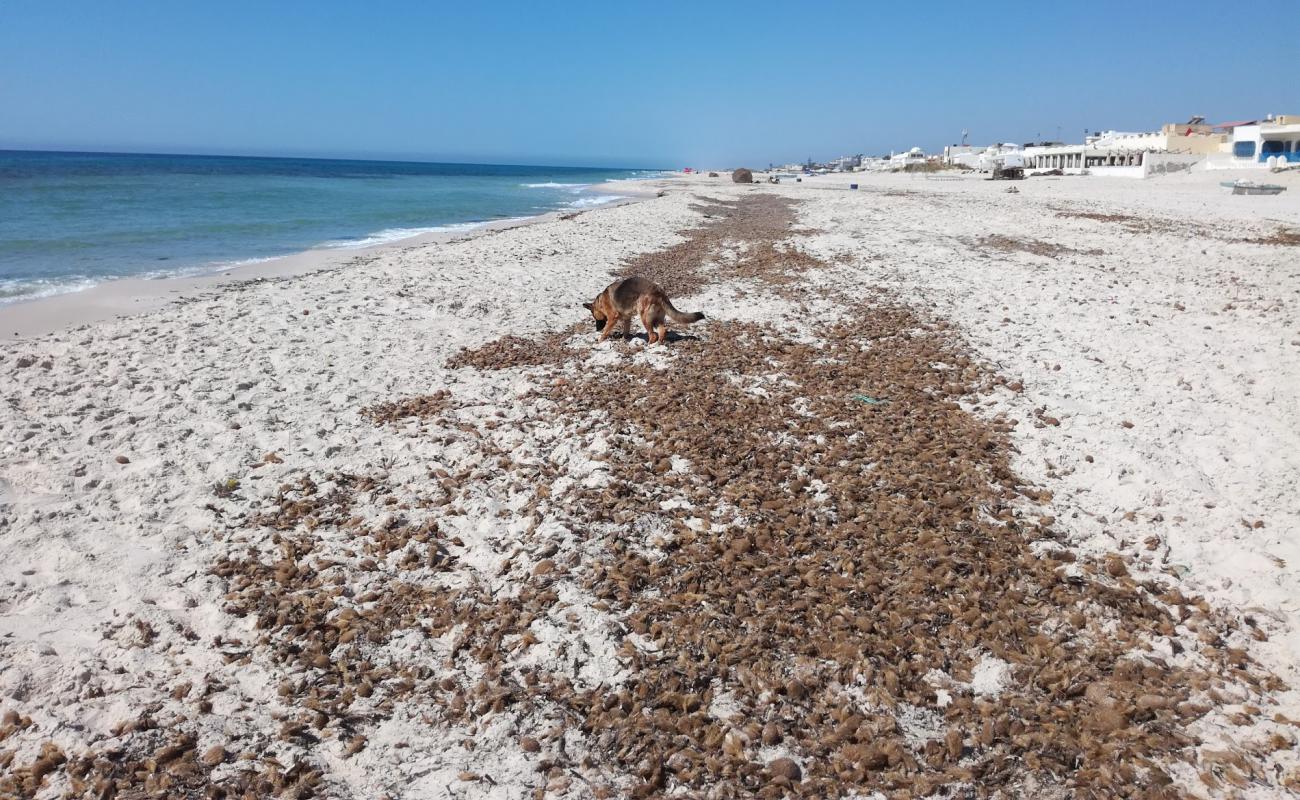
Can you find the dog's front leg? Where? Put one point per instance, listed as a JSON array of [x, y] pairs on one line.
[[609, 326]]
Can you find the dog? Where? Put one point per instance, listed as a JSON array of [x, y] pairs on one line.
[[624, 299]]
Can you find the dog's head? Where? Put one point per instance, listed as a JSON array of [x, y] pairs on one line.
[[600, 319]]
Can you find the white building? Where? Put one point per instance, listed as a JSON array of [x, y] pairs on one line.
[[1174, 148], [962, 155], [914, 156], [1000, 155], [1272, 143]]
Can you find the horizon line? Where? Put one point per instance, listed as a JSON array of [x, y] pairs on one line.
[[403, 160]]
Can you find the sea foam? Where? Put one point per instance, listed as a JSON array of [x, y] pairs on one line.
[[553, 185], [388, 235], [595, 200], [17, 290]]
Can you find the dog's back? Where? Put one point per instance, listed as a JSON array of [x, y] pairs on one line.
[[629, 293]]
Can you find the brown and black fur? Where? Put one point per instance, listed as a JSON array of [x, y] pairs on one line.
[[637, 297]]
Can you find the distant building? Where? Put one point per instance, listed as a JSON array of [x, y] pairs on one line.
[[1271, 143], [914, 156], [962, 155], [982, 158], [1176, 146], [997, 156]]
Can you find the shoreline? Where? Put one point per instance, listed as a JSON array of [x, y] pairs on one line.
[[114, 298]]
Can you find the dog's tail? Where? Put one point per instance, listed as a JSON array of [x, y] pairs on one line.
[[681, 317]]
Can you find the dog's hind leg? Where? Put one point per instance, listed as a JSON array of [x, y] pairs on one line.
[[663, 332], [649, 322]]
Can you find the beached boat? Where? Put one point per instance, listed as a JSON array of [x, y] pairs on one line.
[[1251, 187]]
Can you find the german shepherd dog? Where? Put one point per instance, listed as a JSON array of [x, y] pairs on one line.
[[624, 299]]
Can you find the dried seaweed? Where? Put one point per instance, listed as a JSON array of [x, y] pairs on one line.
[[848, 554], [761, 224], [1002, 243], [423, 406], [512, 351]]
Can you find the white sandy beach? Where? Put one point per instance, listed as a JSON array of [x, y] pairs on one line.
[[1155, 349]]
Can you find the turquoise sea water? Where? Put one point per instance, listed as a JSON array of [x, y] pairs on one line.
[[70, 220]]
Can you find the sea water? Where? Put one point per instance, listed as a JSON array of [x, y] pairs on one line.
[[71, 220]]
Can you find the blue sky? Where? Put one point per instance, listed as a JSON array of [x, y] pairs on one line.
[[621, 83]]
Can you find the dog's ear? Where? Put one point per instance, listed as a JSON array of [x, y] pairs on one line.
[[587, 306]]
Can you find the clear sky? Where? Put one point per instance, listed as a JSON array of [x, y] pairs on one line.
[[621, 83]]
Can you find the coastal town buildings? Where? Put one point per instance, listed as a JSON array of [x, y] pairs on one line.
[[1270, 143], [1273, 142], [1176, 146]]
